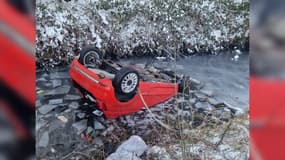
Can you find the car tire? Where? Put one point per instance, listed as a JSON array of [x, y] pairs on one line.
[[126, 82], [90, 57]]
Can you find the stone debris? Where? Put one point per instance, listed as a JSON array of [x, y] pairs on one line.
[[213, 101], [38, 103], [62, 118], [98, 125], [74, 105], [80, 126], [123, 155], [72, 97], [59, 75], [55, 101], [58, 91], [134, 144], [80, 115], [208, 93], [56, 83], [44, 140], [204, 105], [201, 97], [98, 141], [42, 79], [89, 130], [44, 109]]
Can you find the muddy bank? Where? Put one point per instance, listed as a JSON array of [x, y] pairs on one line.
[[134, 28]]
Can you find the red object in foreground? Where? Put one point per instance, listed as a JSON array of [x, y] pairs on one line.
[[17, 44], [102, 89], [267, 119]]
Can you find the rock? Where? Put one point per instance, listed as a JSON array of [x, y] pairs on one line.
[[38, 103], [45, 75], [63, 119], [74, 105], [52, 150], [213, 101], [59, 75], [237, 111], [80, 115], [80, 126], [47, 85], [98, 141], [204, 105], [223, 114], [89, 130], [58, 91], [98, 125], [44, 140], [157, 152], [72, 97], [40, 123], [46, 108], [208, 93], [130, 149], [123, 156], [55, 101], [56, 83], [42, 79], [201, 97], [134, 144], [195, 81]]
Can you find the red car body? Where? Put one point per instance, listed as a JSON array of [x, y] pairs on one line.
[[101, 88], [267, 118]]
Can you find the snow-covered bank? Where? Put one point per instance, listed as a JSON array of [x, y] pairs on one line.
[[129, 27]]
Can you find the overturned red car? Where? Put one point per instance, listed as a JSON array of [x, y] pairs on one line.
[[117, 90]]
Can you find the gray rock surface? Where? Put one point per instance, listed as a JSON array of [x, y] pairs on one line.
[[44, 140], [44, 109], [58, 91], [134, 144], [55, 101], [80, 126], [98, 125], [130, 149]]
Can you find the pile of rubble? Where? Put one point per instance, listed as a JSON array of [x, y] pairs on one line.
[[63, 119]]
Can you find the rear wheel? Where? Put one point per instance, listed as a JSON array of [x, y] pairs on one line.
[[90, 57], [126, 82]]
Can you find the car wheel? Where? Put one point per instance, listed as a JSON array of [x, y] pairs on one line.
[[126, 81], [90, 57]]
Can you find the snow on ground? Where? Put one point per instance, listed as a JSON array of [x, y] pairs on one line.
[[125, 27]]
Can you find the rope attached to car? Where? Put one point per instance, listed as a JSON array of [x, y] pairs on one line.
[[152, 115]]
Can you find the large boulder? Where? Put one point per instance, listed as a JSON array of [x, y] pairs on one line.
[[133, 148]]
